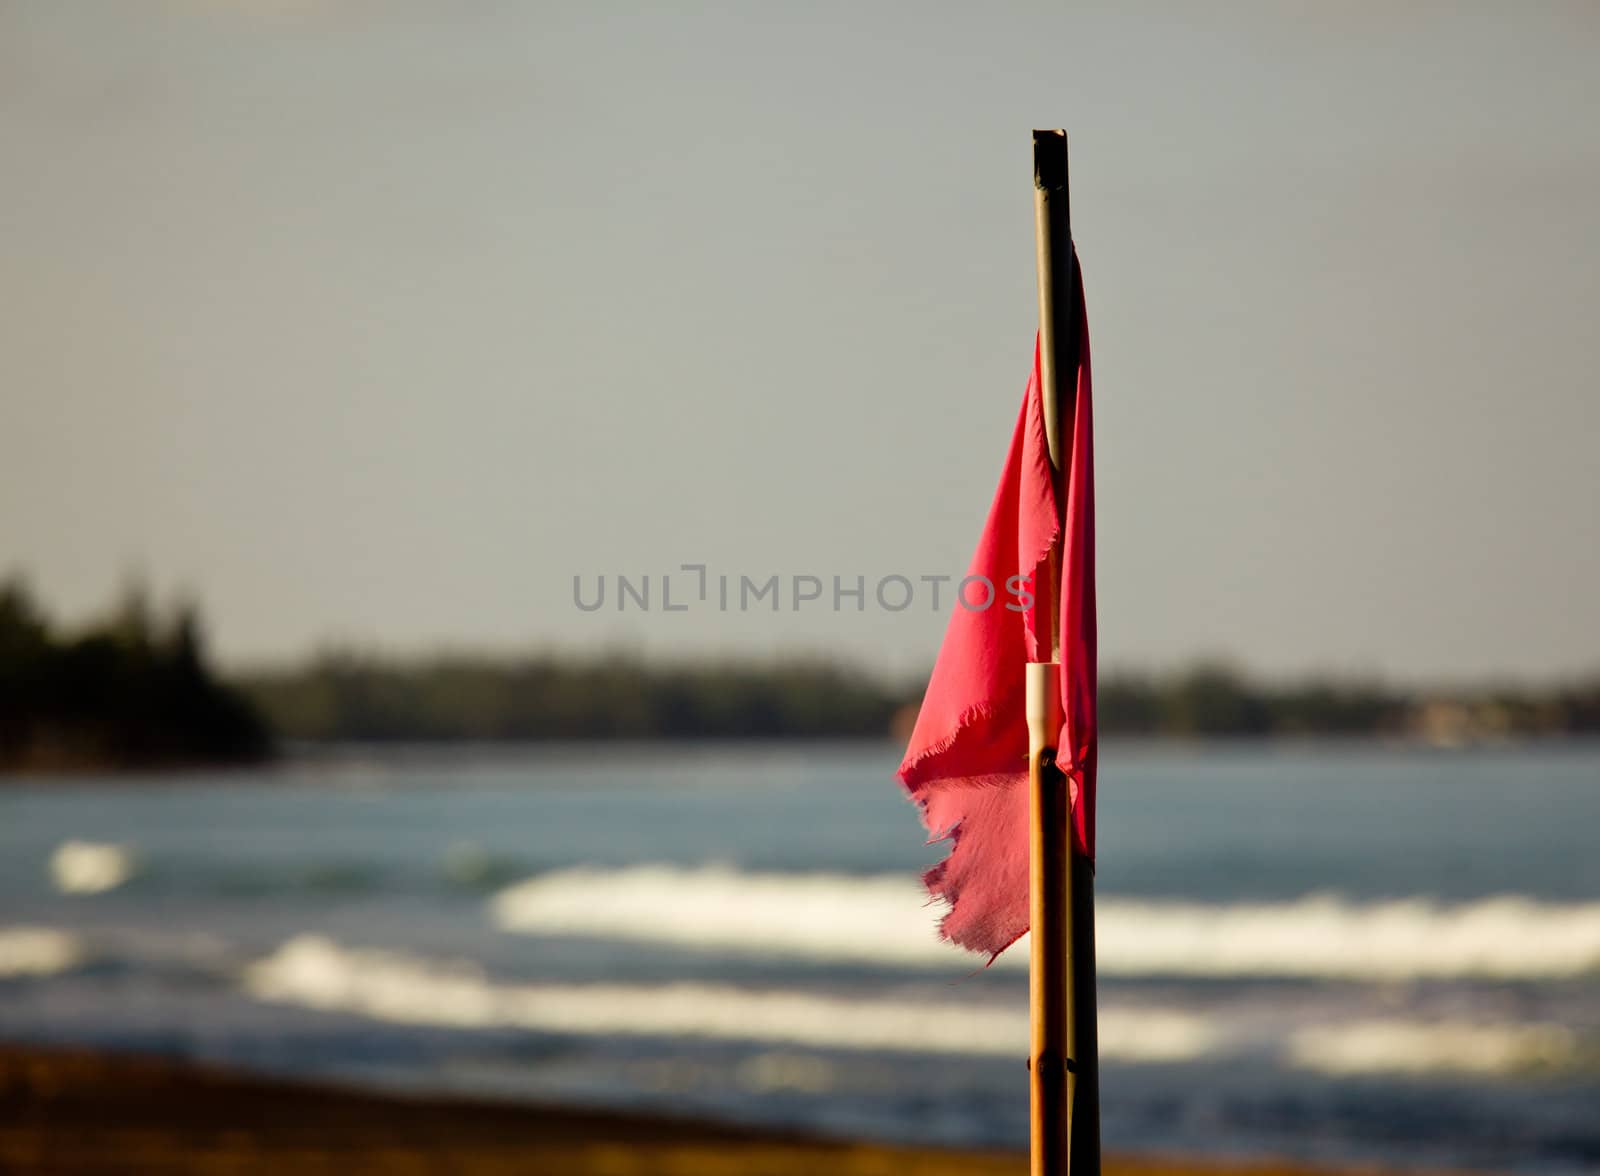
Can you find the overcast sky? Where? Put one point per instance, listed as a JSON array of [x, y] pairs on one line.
[[379, 321]]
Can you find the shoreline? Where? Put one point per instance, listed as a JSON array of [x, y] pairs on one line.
[[291, 756], [67, 1110]]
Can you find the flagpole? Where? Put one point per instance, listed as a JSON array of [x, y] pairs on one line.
[[1063, 1060]]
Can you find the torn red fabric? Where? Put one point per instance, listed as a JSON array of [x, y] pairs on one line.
[[967, 765]]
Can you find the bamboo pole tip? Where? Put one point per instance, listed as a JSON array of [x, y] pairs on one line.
[[1050, 159]]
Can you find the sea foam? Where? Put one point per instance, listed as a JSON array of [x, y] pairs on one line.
[[886, 920], [317, 972], [90, 867], [38, 951], [1401, 1046]]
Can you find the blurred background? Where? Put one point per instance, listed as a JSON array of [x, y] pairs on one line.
[[458, 466]]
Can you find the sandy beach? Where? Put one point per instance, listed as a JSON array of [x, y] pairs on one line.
[[67, 1111]]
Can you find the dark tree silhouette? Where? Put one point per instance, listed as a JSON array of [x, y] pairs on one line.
[[131, 692]]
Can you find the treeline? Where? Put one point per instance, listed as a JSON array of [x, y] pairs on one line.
[[130, 691], [362, 697], [134, 689], [1214, 699], [352, 696]]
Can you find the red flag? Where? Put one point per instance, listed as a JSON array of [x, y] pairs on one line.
[[967, 765]]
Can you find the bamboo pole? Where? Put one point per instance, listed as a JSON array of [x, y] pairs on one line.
[[1064, 1098]]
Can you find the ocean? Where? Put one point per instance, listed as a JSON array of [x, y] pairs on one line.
[[1327, 951]]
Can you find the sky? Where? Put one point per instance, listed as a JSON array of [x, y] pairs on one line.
[[376, 323]]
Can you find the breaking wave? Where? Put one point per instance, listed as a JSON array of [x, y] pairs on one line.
[[316, 972], [82, 867], [38, 951], [90, 867], [886, 920], [1398, 1046]]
